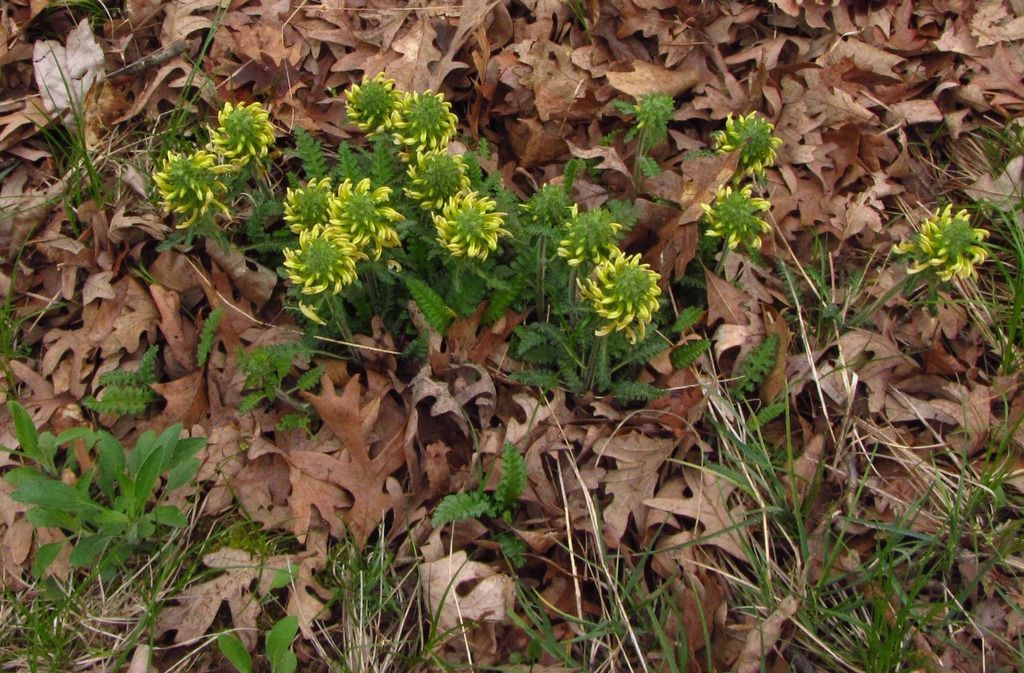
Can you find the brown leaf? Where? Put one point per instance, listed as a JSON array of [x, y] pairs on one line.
[[64, 74], [727, 302], [775, 382], [459, 591], [254, 281], [764, 636], [180, 337], [411, 72], [638, 459], [708, 506], [645, 78]]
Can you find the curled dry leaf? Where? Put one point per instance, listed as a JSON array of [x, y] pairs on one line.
[[460, 591], [65, 74]]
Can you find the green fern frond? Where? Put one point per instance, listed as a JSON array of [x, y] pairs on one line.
[[642, 352], [570, 374], [311, 378], [501, 301], [538, 378], [118, 399], [459, 506], [417, 349], [513, 479], [311, 154], [207, 333], [751, 372], [436, 312], [688, 317], [294, 421], [767, 415], [147, 366], [686, 354], [251, 401], [636, 391]]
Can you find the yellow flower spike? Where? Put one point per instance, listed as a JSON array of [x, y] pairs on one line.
[[361, 211], [305, 208], [624, 293], [424, 121], [589, 237], [469, 227], [190, 186], [436, 177], [244, 133], [751, 136], [324, 261], [370, 105], [947, 245], [733, 216]]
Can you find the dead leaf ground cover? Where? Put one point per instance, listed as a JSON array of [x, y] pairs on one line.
[[856, 507]]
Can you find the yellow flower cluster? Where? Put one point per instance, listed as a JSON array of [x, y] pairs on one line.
[[325, 261], [424, 121], [192, 185], [309, 207], [624, 293], [436, 177], [371, 105], [467, 225], [363, 213], [751, 136], [244, 133], [734, 216], [947, 245], [590, 237]]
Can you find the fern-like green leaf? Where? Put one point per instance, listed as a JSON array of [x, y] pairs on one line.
[[437, 313], [513, 479], [311, 154], [686, 354], [118, 399], [309, 379], [642, 352], [767, 415], [688, 317], [538, 378], [251, 401], [207, 333], [147, 366], [636, 391], [751, 372], [459, 506], [501, 301]]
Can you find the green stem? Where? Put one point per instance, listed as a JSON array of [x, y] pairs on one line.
[[341, 318], [542, 268], [598, 351]]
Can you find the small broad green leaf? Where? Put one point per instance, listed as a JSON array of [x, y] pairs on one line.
[[42, 517], [283, 577], [52, 494], [279, 644], [169, 515], [182, 474], [111, 463], [234, 651], [25, 430], [45, 556], [110, 516], [87, 549]]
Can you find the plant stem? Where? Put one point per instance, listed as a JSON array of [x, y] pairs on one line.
[[542, 267], [341, 318], [598, 351]]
